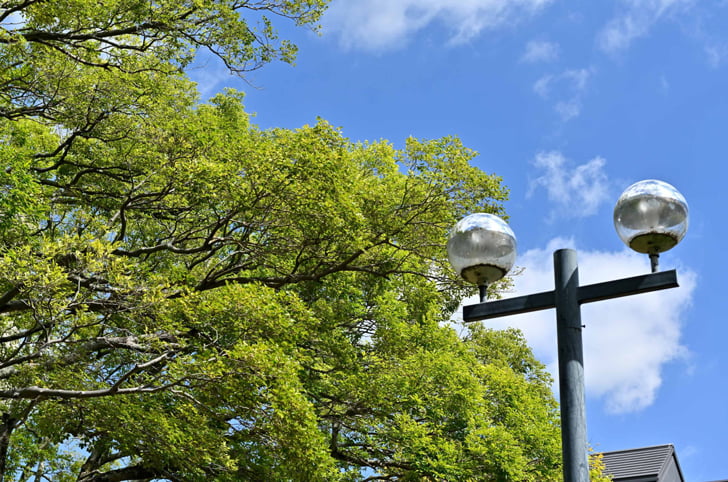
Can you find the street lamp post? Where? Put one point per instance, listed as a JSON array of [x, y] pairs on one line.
[[650, 217]]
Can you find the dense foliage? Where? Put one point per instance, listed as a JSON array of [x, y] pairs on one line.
[[184, 296]]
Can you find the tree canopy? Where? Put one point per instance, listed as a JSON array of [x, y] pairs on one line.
[[184, 296]]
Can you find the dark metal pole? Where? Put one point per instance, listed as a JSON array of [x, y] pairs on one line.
[[571, 367], [655, 262], [567, 298], [483, 291]]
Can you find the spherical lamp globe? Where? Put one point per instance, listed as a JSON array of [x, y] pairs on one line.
[[651, 216], [481, 248]]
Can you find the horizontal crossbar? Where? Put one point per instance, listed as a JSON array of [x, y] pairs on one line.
[[587, 294]]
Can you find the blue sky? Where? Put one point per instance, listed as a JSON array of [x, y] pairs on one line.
[[569, 102]]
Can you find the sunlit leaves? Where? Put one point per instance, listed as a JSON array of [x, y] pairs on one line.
[[185, 296], [270, 300]]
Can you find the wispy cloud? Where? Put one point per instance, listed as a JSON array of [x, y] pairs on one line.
[[378, 25], [575, 191], [209, 73], [568, 109], [716, 53], [636, 20], [540, 51], [567, 89], [542, 86], [664, 85], [627, 341]]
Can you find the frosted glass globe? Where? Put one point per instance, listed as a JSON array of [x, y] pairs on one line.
[[651, 216], [481, 248]]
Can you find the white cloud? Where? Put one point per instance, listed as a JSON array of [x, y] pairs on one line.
[[716, 53], [636, 20], [578, 77], [627, 341], [542, 86], [540, 51], [567, 88], [576, 191], [568, 109], [210, 74], [388, 24]]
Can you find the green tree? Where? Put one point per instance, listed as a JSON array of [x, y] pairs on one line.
[[46, 47], [184, 296]]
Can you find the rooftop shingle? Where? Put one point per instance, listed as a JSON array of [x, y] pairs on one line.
[[646, 464]]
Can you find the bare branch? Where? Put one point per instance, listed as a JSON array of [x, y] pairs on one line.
[[34, 392]]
